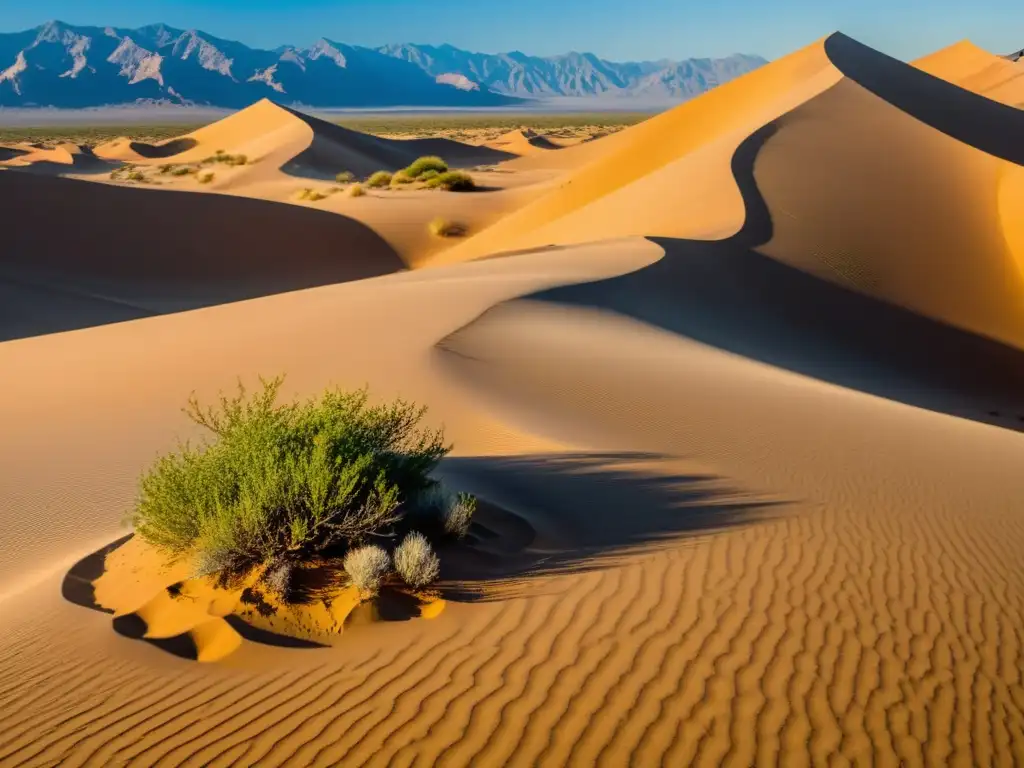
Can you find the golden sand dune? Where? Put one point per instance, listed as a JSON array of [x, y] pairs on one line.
[[970, 67], [745, 390], [301, 145], [523, 142]]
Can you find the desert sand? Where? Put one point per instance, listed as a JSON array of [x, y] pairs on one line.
[[741, 388]]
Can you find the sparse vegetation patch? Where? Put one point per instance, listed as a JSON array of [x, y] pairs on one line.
[[441, 227], [424, 164], [379, 179], [452, 181], [277, 484]]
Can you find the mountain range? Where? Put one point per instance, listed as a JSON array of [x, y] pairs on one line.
[[60, 65]]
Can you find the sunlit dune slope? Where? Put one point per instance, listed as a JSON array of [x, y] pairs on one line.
[[874, 175], [78, 254], [975, 69], [522, 142]]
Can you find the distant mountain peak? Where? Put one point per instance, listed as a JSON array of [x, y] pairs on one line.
[[62, 65]]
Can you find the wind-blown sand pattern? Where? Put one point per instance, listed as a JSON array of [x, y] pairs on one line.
[[744, 393]]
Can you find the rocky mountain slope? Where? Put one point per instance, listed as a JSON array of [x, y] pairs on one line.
[[61, 65]]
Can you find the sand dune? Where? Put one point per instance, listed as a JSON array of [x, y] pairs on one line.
[[298, 144], [78, 254], [977, 70], [523, 142], [742, 391]]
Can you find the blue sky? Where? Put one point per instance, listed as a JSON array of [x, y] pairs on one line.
[[614, 29]]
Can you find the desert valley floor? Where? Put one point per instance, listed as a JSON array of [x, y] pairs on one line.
[[742, 387]]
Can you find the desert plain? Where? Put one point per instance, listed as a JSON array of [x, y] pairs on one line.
[[740, 389]]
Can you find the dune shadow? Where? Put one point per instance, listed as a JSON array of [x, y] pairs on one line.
[[971, 118], [577, 512], [168, 149], [730, 296], [335, 148], [78, 254], [77, 586]]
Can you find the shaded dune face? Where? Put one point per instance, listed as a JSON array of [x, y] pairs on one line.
[[78, 254]]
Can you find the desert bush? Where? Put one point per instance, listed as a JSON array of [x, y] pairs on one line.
[[206, 178], [367, 567], [167, 168], [311, 194], [345, 177], [453, 181], [416, 562], [136, 176], [356, 190], [455, 510], [428, 175], [401, 178], [443, 228], [182, 171], [284, 482], [226, 159], [430, 163], [278, 578], [379, 179]]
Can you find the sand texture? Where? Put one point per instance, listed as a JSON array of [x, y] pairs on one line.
[[741, 389]]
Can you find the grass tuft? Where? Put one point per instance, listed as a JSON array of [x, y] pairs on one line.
[[452, 181], [356, 190], [416, 562], [367, 567], [440, 227], [379, 179], [424, 164]]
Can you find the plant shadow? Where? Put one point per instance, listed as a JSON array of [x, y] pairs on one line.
[[550, 514]]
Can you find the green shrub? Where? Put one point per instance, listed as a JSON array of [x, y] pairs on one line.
[[423, 164], [284, 482], [356, 190], [182, 171], [136, 176], [455, 510], [166, 168], [367, 567], [401, 178], [345, 177], [428, 175], [206, 178], [453, 181], [311, 194], [443, 228], [379, 179], [226, 159], [416, 562]]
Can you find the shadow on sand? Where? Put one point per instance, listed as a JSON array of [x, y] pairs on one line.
[[728, 295], [542, 515]]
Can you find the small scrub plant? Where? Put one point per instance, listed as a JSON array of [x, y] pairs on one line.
[[345, 177], [430, 163], [379, 179], [440, 227], [416, 562], [367, 567], [281, 483], [428, 175], [452, 181], [311, 194], [182, 171], [230, 160], [455, 510], [206, 178], [401, 178], [356, 190]]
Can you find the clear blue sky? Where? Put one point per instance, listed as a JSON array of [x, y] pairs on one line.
[[614, 29]]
